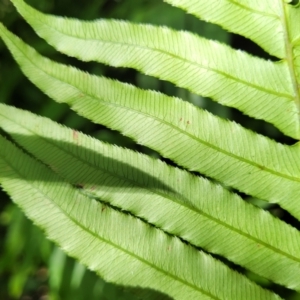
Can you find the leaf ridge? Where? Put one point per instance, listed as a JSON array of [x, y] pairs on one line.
[[93, 97], [252, 9], [85, 84], [135, 183], [242, 18], [290, 57], [74, 210], [191, 136], [190, 62], [85, 228], [149, 61], [37, 128]]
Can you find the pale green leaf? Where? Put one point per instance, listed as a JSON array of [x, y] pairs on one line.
[[246, 161], [293, 23], [137, 221], [192, 208], [117, 246], [260, 21], [257, 87]]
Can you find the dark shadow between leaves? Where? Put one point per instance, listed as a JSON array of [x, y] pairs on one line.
[[27, 143], [112, 172], [53, 152], [136, 293]]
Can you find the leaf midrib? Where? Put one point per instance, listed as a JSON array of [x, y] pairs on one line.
[[174, 56], [239, 158], [132, 254], [163, 195], [289, 58], [248, 8], [93, 97], [262, 168]]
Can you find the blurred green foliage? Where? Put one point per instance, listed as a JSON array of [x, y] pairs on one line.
[[31, 267]]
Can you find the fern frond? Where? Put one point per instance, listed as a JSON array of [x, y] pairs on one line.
[[242, 17], [117, 246], [257, 87], [135, 220], [171, 124], [181, 204]]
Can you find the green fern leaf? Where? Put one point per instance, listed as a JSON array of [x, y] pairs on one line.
[[117, 246], [241, 164], [260, 88], [189, 207], [137, 221], [261, 21], [276, 30]]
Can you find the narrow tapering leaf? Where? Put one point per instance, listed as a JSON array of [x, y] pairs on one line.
[[240, 160], [261, 21], [117, 246], [191, 208], [257, 87]]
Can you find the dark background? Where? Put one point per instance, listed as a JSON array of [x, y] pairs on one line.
[[31, 267]]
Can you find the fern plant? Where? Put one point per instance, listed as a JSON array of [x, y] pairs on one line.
[[133, 219]]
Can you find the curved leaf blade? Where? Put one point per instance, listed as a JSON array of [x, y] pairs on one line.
[[191, 208], [260, 88], [250, 163], [117, 246], [242, 17], [292, 17]]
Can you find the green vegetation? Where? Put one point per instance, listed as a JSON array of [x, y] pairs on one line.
[[198, 206]]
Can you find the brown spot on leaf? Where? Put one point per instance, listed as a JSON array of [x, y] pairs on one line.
[[76, 136]]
